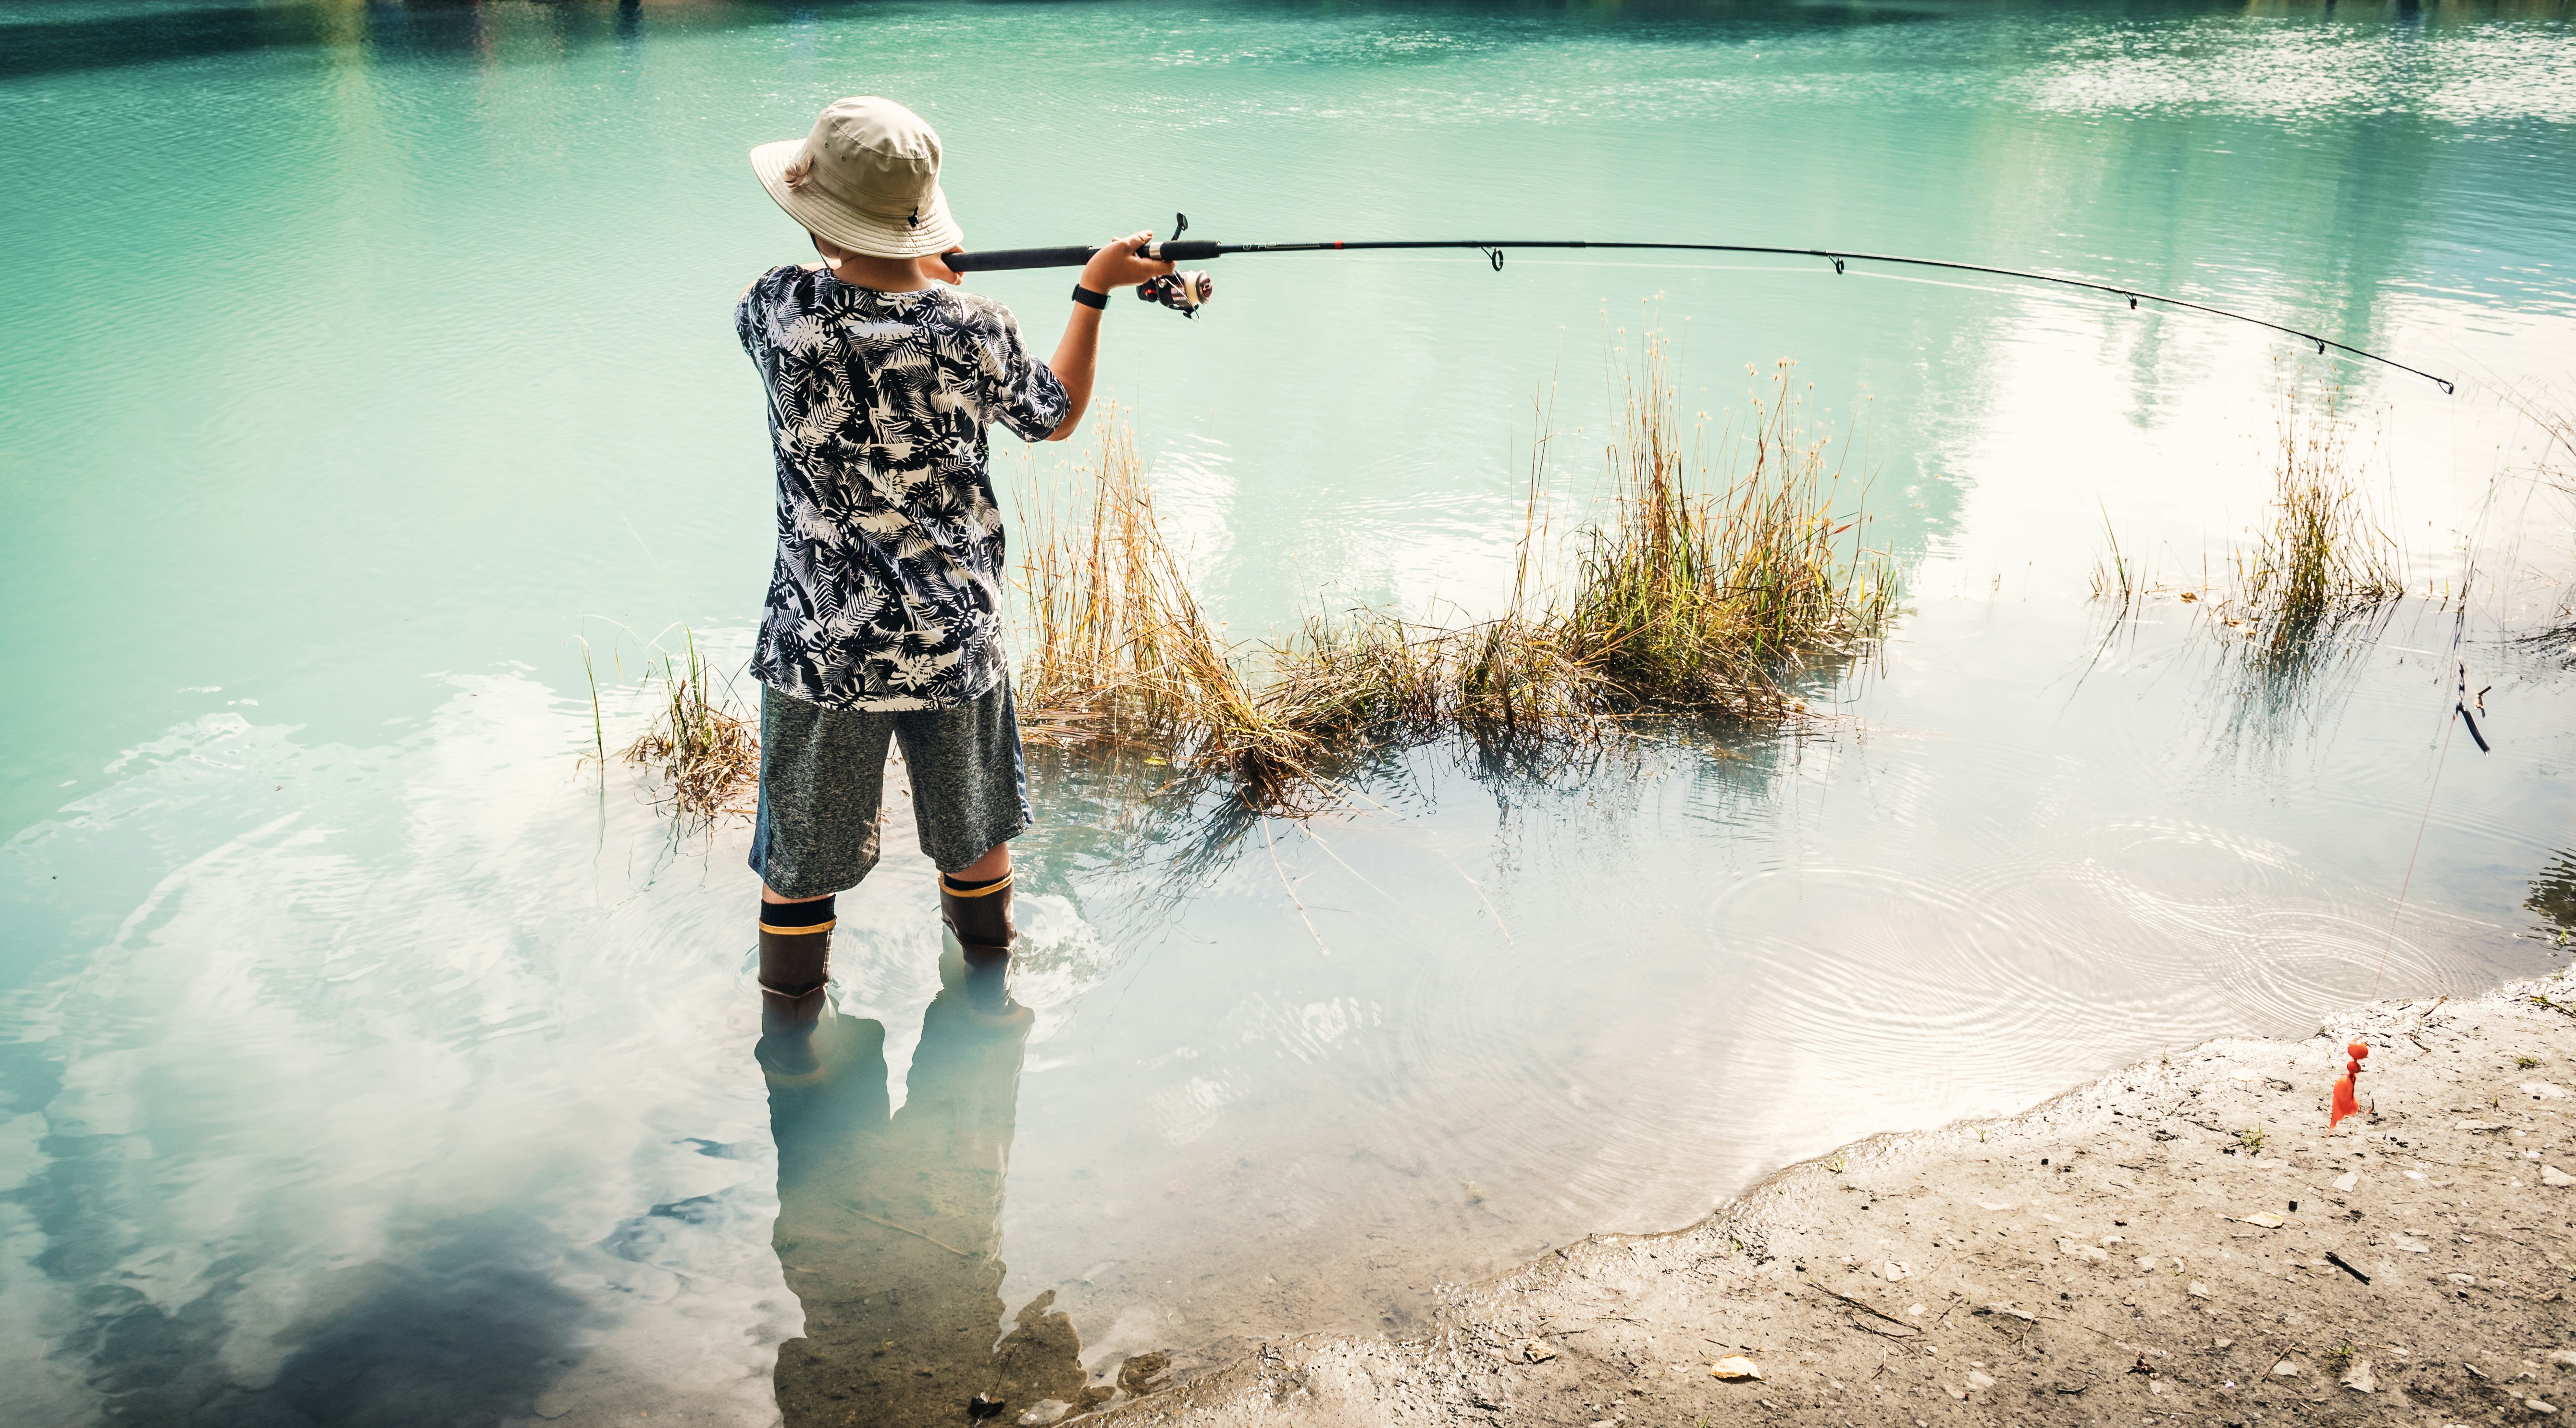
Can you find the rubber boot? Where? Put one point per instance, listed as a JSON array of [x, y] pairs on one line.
[[793, 969], [981, 922]]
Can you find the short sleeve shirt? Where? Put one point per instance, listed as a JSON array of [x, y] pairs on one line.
[[887, 591]]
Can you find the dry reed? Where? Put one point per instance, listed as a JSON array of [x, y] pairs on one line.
[[701, 752], [1118, 648]]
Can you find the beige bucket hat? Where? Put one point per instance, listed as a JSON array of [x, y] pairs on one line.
[[867, 178]]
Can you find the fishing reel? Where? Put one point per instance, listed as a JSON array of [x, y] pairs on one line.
[[1181, 292]]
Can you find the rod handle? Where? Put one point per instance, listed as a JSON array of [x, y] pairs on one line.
[[998, 259], [1001, 259]]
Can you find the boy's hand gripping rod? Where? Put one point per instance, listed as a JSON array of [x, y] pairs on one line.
[[1187, 292]]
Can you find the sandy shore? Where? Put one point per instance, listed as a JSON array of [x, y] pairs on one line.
[[2180, 1240]]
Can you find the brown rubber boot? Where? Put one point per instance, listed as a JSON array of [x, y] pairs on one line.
[[795, 961], [980, 919]]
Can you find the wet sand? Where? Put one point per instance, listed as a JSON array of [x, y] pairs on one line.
[[2180, 1240]]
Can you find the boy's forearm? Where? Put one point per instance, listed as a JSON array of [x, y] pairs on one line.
[[1076, 355], [1118, 263]]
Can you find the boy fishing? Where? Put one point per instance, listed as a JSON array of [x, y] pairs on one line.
[[884, 620]]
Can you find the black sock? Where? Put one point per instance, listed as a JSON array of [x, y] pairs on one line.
[[960, 885], [792, 918]]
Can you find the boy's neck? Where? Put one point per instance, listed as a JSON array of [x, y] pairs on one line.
[[884, 275]]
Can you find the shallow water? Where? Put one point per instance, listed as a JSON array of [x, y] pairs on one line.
[[369, 1060]]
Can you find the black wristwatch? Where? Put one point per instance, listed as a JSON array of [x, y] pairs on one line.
[[1088, 298]]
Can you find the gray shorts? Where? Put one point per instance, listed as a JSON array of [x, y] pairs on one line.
[[822, 784]]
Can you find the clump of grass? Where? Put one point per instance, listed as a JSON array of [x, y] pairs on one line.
[[1119, 649], [699, 750], [1698, 598], [2319, 558], [1520, 682]]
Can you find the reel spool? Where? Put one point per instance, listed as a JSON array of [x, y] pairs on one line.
[[1181, 292]]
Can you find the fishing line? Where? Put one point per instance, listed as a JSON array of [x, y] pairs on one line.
[[2448, 727], [1187, 292], [2460, 700]]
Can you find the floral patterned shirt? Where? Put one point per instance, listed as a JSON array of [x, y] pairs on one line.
[[887, 591]]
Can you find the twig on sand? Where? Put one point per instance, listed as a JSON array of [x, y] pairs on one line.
[[1867, 1308]]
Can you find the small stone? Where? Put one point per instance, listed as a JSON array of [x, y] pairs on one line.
[[2285, 1369], [2536, 1406], [2347, 1180], [2465, 1281], [2564, 1358], [1045, 1411], [2201, 1291], [1537, 1351], [2410, 1246], [1734, 1367], [1980, 1380], [2358, 1377], [2224, 1344], [2263, 1218], [1896, 1271], [2544, 1091], [2146, 1261], [2555, 1178]]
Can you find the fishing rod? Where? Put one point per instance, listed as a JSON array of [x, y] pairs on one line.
[[1186, 293]]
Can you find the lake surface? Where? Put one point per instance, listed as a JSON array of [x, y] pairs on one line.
[[370, 1060]]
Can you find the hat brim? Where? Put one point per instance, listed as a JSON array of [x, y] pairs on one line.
[[934, 232]]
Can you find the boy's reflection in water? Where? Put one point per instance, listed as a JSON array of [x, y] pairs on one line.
[[889, 1228]]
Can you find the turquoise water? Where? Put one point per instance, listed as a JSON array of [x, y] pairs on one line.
[[362, 360]]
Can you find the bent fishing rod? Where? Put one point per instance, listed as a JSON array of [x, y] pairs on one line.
[[1186, 293]]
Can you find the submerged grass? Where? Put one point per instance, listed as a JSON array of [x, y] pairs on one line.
[[700, 752], [1696, 596]]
